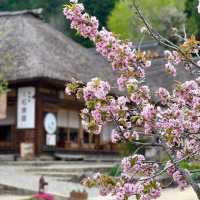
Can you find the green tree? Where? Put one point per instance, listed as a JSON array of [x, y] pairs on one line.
[[53, 12], [124, 22], [193, 18]]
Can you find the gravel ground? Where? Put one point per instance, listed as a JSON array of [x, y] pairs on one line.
[[169, 194], [8, 197], [17, 176]]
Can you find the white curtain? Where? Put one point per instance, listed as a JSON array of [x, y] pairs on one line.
[[106, 132], [68, 119], [62, 118], [10, 117], [73, 119]]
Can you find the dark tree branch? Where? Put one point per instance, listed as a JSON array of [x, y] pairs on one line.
[[162, 40]]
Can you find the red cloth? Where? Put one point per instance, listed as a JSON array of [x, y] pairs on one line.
[[44, 196]]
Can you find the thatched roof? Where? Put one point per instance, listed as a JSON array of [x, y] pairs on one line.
[[30, 48], [156, 76]]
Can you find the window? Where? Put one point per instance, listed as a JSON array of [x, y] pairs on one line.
[[74, 135], [69, 121], [10, 117], [61, 137], [88, 138], [5, 133], [6, 124]]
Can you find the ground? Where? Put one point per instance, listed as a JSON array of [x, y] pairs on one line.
[[169, 194], [62, 179]]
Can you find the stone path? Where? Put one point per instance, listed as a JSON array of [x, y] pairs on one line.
[[11, 197], [17, 176]]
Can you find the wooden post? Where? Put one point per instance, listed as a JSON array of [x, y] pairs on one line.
[[39, 133]]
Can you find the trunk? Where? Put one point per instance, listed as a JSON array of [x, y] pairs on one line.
[[194, 185]]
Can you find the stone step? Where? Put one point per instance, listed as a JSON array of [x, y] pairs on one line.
[[70, 169], [7, 157], [87, 157], [46, 159], [37, 163], [58, 174], [69, 157]]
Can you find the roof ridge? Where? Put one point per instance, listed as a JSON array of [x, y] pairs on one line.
[[35, 12]]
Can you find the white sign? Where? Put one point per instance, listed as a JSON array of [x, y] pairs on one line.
[[51, 139], [50, 123], [26, 108]]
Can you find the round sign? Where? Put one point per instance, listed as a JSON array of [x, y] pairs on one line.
[[50, 123]]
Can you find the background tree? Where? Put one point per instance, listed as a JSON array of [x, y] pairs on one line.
[[53, 13], [164, 16], [193, 19]]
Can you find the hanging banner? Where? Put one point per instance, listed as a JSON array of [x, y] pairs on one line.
[[3, 105], [26, 108]]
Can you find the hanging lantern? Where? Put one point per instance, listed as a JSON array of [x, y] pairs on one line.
[[3, 105]]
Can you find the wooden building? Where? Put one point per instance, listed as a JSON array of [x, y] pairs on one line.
[[37, 61]]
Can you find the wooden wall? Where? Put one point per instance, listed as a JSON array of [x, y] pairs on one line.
[[49, 98]]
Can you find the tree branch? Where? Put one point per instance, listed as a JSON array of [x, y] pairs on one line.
[[162, 40]]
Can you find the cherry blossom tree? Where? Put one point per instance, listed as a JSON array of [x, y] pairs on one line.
[[174, 121]]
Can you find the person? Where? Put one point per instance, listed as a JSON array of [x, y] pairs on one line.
[[42, 184]]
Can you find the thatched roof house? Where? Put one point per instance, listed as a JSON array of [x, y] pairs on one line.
[[37, 60], [36, 50], [30, 48]]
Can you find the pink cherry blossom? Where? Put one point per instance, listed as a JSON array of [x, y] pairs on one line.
[[174, 119], [115, 137], [169, 68], [163, 95]]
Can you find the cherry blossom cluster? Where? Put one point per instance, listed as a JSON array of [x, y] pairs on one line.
[[126, 135], [121, 55], [149, 115], [87, 26], [136, 165], [191, 146], [176, 175], [123, 189], [139, 95], [96, 89], [173, 59], [174, 120], [163, 96], [184, 55], [177, 122]]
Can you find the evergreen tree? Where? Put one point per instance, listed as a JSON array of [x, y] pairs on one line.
[[193, 18], [53, 12], [163, 16]]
